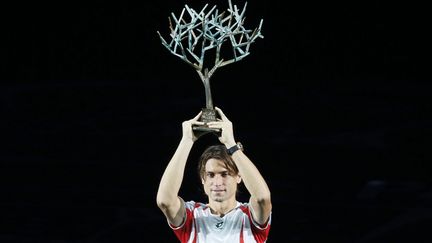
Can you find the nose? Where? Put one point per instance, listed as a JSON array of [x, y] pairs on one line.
[[217, 180]]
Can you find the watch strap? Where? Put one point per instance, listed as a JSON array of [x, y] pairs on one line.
[[234, 148]]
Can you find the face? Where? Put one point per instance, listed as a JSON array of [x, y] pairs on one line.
[[219, 185]]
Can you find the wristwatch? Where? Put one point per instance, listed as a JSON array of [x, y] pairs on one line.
[[235, 148]]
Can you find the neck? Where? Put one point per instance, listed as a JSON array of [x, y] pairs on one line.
[[222, 208]]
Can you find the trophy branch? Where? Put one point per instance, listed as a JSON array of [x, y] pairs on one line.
[[194, 34]]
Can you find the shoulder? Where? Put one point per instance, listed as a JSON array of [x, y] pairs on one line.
[[248, 210], [245, 207], [191, 205]]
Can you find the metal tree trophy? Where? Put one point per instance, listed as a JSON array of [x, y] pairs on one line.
[[196, 33]]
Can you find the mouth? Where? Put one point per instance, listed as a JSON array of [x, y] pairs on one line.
[[218, 190]]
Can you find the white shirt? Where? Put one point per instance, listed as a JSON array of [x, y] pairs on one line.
[[200, 225]]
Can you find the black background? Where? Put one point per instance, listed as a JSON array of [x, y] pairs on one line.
[[333, 106]]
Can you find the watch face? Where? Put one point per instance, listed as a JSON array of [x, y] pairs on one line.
[[240, 146]]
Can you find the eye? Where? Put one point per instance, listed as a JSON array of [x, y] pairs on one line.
[[224, 174], [210, 174]]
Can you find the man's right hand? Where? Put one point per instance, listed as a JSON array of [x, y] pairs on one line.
[[187, 127]]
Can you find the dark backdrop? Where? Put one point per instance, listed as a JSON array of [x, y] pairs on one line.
[[333, 106]]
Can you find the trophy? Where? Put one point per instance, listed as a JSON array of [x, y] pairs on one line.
[[197, 34]]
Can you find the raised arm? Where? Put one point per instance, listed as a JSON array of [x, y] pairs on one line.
[[167, 196], [260, 194]]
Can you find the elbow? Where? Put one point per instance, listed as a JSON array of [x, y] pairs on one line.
[[163, 202], [264, 199]]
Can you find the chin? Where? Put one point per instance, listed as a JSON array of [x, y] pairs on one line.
[[218, 199]]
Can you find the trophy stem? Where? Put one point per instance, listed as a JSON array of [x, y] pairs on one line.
[[209, 100], [205, 78], [208, 113]]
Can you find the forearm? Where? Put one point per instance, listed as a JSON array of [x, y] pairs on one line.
[[251, 177], [173, 176]]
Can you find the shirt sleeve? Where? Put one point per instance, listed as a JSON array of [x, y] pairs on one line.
[[184, 230], [260, 232]]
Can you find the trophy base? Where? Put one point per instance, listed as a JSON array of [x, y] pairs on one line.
[[201, 130], [208, 115]]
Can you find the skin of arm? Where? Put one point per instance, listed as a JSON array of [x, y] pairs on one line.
[[260, 199], [167, 197]]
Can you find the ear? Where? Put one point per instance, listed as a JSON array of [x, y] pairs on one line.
[[239, 179], [202, 181]]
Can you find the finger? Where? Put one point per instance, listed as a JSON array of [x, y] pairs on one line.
[[221, 113], [214, 123], [198, 123], [197, 116]]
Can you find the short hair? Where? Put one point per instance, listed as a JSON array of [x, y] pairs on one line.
[[216, 152]]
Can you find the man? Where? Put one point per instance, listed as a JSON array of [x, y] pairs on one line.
[[221, 168]]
